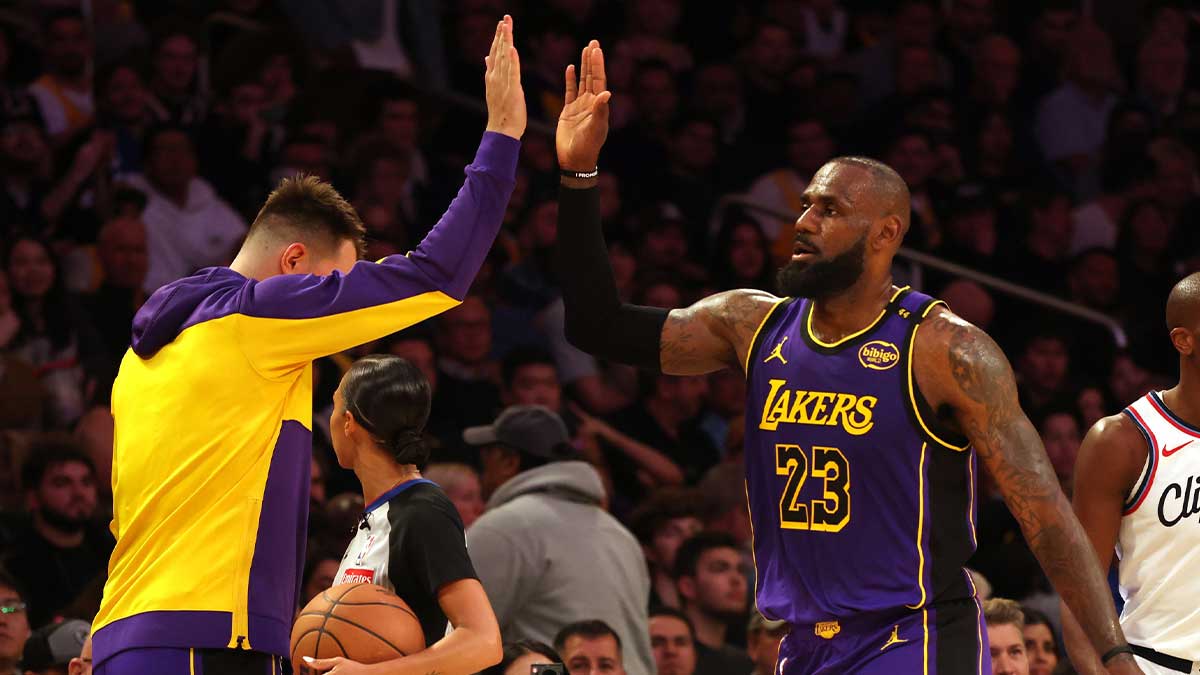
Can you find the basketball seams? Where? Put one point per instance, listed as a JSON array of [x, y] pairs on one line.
[[330, 613], [368, 631]]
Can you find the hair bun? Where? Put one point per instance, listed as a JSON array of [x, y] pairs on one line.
[[408, 446]]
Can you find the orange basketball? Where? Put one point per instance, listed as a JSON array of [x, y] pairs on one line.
[[362, 622]]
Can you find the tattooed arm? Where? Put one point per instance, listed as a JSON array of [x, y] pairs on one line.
[[963, 372], [713, 334]]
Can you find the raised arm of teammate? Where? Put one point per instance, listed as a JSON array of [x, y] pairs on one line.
[[713, 334], [307, 316], [1109, 463], [960, 369]]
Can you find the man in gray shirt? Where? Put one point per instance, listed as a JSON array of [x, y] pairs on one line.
[[546, 550]]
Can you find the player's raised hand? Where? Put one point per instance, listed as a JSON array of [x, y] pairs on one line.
[[583, 123], [502, 84]]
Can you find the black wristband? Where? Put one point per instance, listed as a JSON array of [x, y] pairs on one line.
[[580, 174], [1115, 652]]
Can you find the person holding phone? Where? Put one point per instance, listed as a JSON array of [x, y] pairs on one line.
[[528, 657], [410, 539]]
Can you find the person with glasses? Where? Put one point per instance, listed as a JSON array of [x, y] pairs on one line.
[[14, 624]]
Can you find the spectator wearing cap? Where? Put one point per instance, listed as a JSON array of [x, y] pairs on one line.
[[14, 624], [57, 649], [547, 552], [762, 642]]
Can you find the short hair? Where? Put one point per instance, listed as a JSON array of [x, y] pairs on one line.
[[7, 579], [305, 206], [525, 355], [47, 453], [590, 629], [449, 474], [663, 610], [161, 129], [1002, 611], [1034, 617], [687, 558], [663, 506]]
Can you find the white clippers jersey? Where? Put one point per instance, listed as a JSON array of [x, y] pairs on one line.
[[1159, 541]]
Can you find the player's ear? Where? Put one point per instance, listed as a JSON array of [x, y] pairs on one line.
[[686, 587], [889, 232], [295, 259], [1184, 341]]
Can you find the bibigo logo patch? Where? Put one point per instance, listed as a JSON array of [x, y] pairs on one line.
[[878, 355]]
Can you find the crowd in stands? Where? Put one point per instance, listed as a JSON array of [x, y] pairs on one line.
[[1051, 144]]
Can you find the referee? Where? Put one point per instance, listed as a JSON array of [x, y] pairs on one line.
[[213, 407]]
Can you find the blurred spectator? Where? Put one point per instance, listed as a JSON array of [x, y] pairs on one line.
[[724, 487], [174, 80], [1048, 40], [1061, 436], [650, 31], [397, 120], [461, 484], [239, 142], [63, 549], [808, 147], [717, 96], [64, 92], [1040, 258], [551, 44], [124, 107], [1147, 271], [1125, 179], [826, 26], [519, 657], [122, 251], [590, 647], [667, 518], [766, 59], [762, 642], [1175, 175], [1041, 646], [911, 154], [726, 403], [666, 417], [691, 181], [188, 226], [639, 150], [537, 500], [712, 585], [1162, 70], [971, 230], [914, 25], [1094, 281], [21, 395], [968, 22], [467, 374], [1042, 371], [970, 301], [1005, 624], [1072, 120], [319, 572], [317, 492], [55, 336], [55, 649], [14, 623], [674, 642]]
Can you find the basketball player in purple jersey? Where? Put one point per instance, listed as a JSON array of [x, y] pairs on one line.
[[867, 406]]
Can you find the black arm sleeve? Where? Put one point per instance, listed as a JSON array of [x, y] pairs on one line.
[[596, 320]]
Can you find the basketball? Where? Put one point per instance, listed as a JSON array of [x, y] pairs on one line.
[[359, 621]]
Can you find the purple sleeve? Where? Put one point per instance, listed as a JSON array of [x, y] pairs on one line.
[[447, 260]]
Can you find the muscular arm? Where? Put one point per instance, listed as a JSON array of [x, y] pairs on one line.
[[712, 334], [1110, 461], [960, 368]]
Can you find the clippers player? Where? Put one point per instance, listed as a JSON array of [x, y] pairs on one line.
[[866, 406], [1137, 493]]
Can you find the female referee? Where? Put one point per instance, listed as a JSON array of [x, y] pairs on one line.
[[410, 539]]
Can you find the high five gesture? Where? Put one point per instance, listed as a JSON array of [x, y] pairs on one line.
[[502, 82], [583, 123]]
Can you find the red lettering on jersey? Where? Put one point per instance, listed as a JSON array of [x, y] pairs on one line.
[[358, 576]]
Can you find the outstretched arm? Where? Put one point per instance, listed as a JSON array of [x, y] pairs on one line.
[[1110, 461], [960, 367], [714, 333]]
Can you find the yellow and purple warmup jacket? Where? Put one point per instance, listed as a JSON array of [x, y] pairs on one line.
[[213, 410]]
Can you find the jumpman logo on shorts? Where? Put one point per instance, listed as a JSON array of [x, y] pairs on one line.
[[895, 639], [777, 353]]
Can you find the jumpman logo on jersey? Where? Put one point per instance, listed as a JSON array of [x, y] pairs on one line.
[[895, 639], [777, 353]]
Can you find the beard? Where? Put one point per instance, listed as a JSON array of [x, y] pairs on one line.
[[63, 522], [824, 278]]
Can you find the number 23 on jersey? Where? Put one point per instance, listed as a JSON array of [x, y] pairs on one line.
[[831, 512]]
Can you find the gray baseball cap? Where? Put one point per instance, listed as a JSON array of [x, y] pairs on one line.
[[54, 645], [530, 428]]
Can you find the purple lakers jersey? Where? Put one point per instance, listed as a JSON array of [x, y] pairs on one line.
[[859, 500]]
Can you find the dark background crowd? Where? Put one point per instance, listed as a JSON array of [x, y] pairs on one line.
[[1051, 144]]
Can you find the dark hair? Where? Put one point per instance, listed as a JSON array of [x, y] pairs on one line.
[[663, 506], [1035, 617], [56, 309], [663, 610], [590, 628], [63, 13], [722, 266], [687, 558], [7, 579], [306, 206], [161, 129], [50, 452], [390, 398], [524, 355], [315, 557], [515, 650]]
